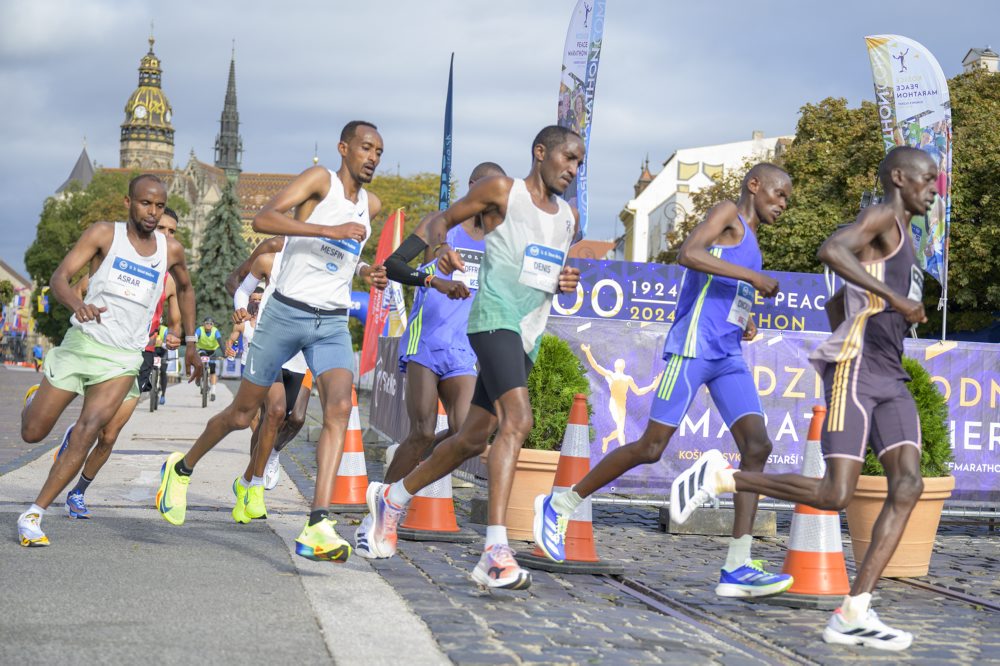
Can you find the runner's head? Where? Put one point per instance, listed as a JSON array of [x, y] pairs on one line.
[[557, 153], [168, 222], [208, 323], [620, 365], [485, 170], [361, 149], [147, 197], [770, 186], [912, 174]]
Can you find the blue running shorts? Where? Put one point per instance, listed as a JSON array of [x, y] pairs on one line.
[[728, 380], [445, 363]]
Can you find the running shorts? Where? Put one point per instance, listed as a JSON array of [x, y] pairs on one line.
[[503, 366]]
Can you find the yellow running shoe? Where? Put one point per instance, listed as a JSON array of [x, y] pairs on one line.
[[320, 542], [240, 508], [171, 498], [255, 503], [30, 393]]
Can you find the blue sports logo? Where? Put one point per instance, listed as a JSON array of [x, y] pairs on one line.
[[332, 267], [533, 250]]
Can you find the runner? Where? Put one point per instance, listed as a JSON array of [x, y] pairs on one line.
[[76, 506], [522, 268], [209, 342], [722, 271], [308, 313], [866, 394], [100, 356], [435, 354]]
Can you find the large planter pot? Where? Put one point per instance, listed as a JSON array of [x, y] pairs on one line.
[[913, 554], [536, 470]]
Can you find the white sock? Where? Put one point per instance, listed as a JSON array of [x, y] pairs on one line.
[[245, 481], [34, 508], [274, 455], [495, 534], [855, 608], [565, 503], [213, 389], [739, 552], [399, 495], [257, 481]]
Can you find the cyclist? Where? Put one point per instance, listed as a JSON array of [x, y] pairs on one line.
[[208, 343]]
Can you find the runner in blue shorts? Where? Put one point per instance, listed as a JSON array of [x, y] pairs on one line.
[[703, 347]]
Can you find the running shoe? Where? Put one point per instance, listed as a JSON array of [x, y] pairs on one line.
[[320, 542], [171, 497], [29, 529], [65, 442], [695, 485], [272, 471], [385, 519], [868, 631], [240, 507], [75, 506], [361, 539], [30, 393], [550, 529], [255, 503], [163, 399], [213, 397], [752, 580], [497, 568]]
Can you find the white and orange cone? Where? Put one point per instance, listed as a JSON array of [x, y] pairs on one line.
[[352, 476], [574, 464]]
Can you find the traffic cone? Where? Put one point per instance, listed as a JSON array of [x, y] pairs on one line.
[[431, 515], [815, 556], [352, 476], [574, 464]]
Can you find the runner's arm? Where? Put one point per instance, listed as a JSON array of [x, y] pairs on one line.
[[95, 241], [185, 298], [272, 245], [174, 327], [311, 185], [230, 350]]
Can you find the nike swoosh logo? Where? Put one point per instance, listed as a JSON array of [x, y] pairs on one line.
[[154, 265], [164, 507]]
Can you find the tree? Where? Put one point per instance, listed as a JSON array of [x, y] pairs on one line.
[[6, 292], [222, 250]]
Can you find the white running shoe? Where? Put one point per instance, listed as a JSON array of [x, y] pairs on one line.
[[695, 485], [497, 568], [361, 537], [272, 470], [868, 631], [385, 516], [29, 529]]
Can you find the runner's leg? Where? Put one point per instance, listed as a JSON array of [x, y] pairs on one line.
[[421, 408]]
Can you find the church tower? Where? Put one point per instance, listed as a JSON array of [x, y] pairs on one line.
[[147, 139], [228, 143]]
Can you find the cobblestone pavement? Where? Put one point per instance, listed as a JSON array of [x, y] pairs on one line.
[[14, 451], [584, 619]]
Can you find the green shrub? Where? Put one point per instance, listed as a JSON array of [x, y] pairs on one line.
[[933, 410], [557, 376]]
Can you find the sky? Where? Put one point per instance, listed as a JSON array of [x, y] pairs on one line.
[[672, 75]]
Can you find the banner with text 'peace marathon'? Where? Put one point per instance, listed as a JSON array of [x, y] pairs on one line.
[[381, 303], [914, 110], [577, 84]]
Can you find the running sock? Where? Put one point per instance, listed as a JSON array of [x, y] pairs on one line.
[[398, 494], [725, 482], [213, 389], [257, 481], [318, 515], [495, 534], [81, 485], [855, 608], [182, 469], [34, 508], [245, 481], [565, 503], [739, 553]]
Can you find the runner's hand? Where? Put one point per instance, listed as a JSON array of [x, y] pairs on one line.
[[912, 310], [230, 351], [193, 362], [451, 288], [89, 312], [449, 261], [240, 316], [375, 276], [171, 341], [765, 285], [349, 231], [569, 277], [751, 330]]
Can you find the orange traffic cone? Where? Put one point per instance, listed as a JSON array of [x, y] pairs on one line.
[[574, 464], [431, 515], [815, 555], [352, 476]]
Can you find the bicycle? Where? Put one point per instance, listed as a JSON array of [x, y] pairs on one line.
[[205, 390], [154, 383]]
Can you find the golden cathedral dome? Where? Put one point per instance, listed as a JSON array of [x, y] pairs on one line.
[[148, 113]]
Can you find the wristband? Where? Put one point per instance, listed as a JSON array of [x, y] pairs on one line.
[[427, 280], [361, 265], [190, 338]]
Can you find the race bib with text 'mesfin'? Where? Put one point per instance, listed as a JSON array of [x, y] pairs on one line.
[[333, 254], [133, 281], [541, 267]]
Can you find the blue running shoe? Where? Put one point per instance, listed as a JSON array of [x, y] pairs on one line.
[[549, 529], [163, 399], [65, 443], [751, 580], [75, 506]]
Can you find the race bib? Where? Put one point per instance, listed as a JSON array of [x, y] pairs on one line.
[[541, 267], [916, 292], [133, 281], [334, 255], [739, 311], [472, 259]]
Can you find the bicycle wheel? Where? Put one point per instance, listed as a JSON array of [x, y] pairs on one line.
[[154, 389], [204, 386]]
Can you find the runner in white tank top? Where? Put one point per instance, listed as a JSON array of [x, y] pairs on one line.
[[100, 356], [308, 313], [523, 267]]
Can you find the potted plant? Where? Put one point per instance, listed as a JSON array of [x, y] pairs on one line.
[[556, 377], [913, 554]]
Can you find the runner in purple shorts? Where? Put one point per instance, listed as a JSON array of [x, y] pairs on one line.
[[867, 399], [703, 347]]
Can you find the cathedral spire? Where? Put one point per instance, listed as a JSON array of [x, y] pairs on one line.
[[147, 135], [228, 143]]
